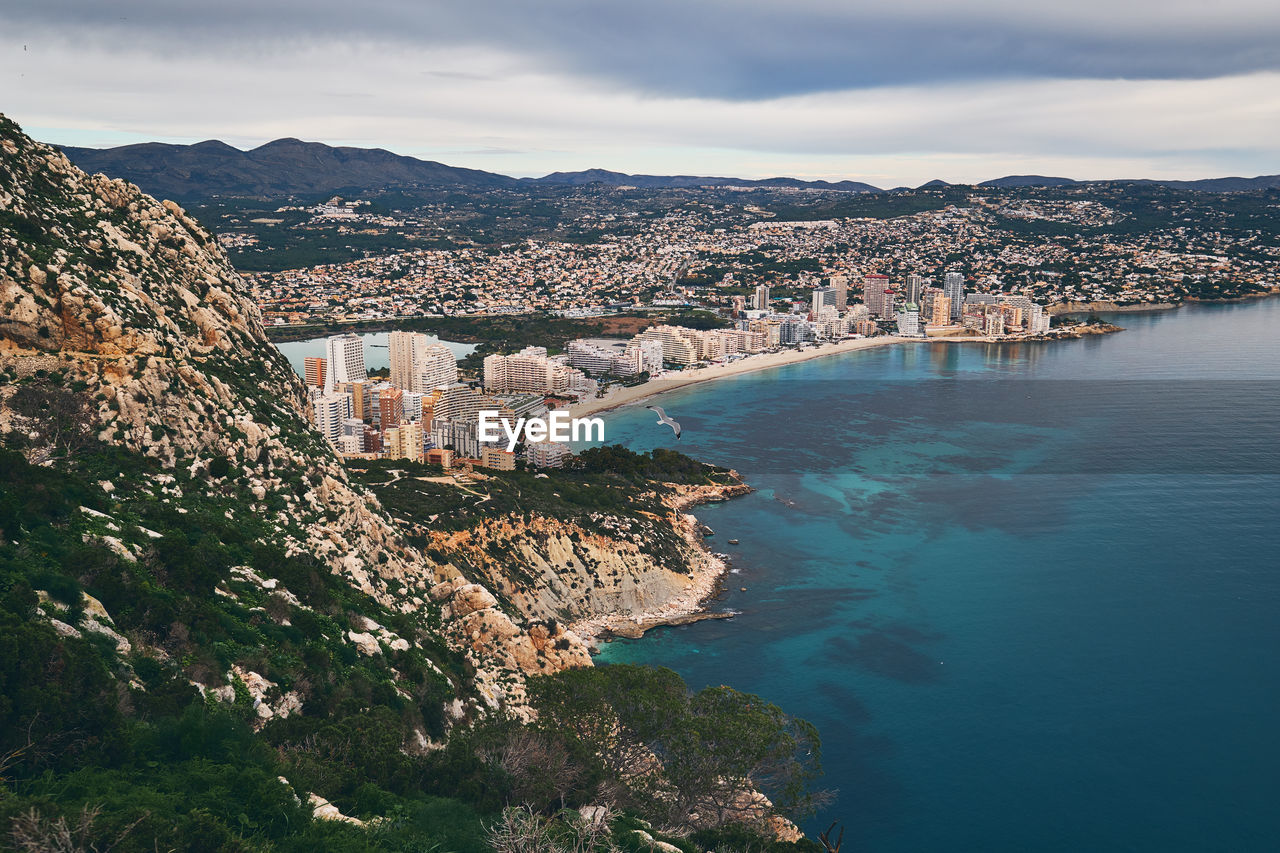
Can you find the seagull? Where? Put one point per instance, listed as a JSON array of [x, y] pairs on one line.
[[663, 419]]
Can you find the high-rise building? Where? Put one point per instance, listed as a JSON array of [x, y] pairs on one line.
[[953, 289], [361, 398], [328, 412], [405, 441], [344, 360], [877, 296], [419, 365], [914, 285], [909, 321], [939, 311], [313, 371], [823, 297], [400, 346], [840, 284], [760, 301], [390, 408], [528, 371]]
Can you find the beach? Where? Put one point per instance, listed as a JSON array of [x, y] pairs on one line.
[[748, 364], [619, 397]]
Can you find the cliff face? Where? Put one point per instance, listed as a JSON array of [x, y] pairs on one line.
[[131, 305], [556, 569]]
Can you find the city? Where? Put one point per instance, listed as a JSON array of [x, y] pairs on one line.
[[1059, 247], [422, 412]]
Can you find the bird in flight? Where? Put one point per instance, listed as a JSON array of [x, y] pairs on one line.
[[663, 419]]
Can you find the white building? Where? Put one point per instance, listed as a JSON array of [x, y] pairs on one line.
[[909, 321], [419, 365], [547, 454], [328, 413], [823, 297], [530, 371], [344, 360]]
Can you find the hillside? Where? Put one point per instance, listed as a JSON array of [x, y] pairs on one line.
[[212, 638], [604, 176], [287, 168], [284, 167]]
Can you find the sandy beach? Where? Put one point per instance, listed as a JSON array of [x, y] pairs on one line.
[[670, 382], [618, 397]]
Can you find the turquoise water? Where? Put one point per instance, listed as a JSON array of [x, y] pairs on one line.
[[1030, 595], [376, 354]]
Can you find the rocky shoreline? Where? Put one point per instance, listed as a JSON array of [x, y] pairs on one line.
[[704, 583]]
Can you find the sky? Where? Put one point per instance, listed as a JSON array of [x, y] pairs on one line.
[[888, 93]]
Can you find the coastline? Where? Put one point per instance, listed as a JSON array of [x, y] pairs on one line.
[[706, 575], [625, 396]]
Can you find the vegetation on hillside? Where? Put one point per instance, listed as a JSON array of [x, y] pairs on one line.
[[122, 583], [601, 485]]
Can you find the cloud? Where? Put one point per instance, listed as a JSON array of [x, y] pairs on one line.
[[891, 94], [726, 49], [531, 121]]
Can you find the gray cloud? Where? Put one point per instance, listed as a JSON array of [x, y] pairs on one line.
[[739, 50]]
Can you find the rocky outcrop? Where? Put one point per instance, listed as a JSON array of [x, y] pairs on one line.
[[131, 305], [600, 582]]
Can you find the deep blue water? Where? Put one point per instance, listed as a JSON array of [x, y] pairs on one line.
[[1030, 595]]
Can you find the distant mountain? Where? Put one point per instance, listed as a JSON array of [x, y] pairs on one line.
[[1223, 185], [1028, 181], [288, 167], [620, 179], [280, 168], [1213, 185]]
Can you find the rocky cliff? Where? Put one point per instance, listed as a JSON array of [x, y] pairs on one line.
[[550, 569], [128, 303]]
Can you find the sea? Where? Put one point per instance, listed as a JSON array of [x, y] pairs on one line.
[[1029, 594]]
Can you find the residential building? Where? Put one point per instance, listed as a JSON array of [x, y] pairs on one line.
[[877, 296], [497, 459], [822, 298], [419, 365], [760, 299], [313, 371], [909, 321], [840, 284], [530, 370], [547, 454], [912, 289], [440, 456], [361, 398], [953, 289], [405, 441], [678, 346], [344, 360], [390, 406], [328, 411]]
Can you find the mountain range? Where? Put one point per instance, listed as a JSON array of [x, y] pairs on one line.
[[289, 167]]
